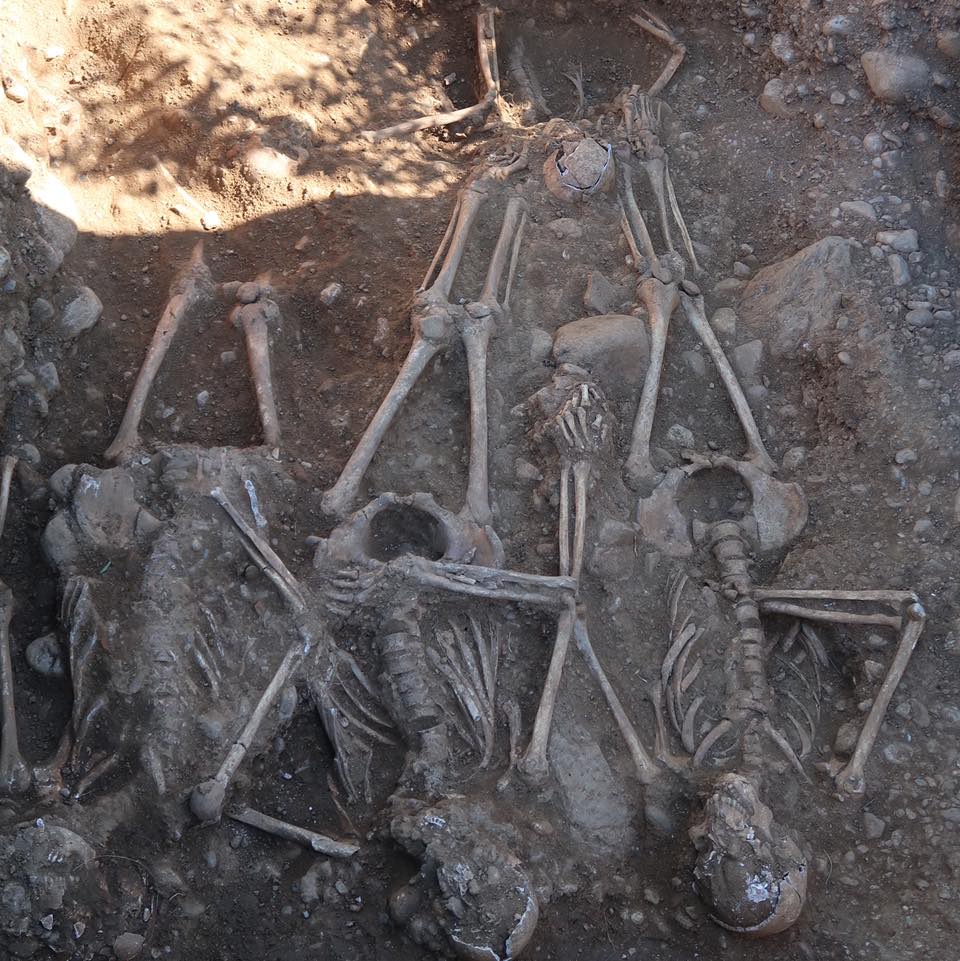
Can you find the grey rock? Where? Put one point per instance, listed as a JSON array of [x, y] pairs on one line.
[[615, 348], [948, 43], [781, 46], [838, 26], [680, 436], [874, 144], [16, 166], [330, 293], [42, 311], [57, 213], [210, 220], [798, 299], [919, 317], [592, 799], [43, 655], [902, 241], [846, 739], [773, 100], [6, 263], [899, 271], [694, 360], [859, 208], [600, 295], [724, 322], [584, 165], [873, 827], [48, 377], [746, 360], [895, 77], [81, 313], [794, 458], [541, 344], [951, 359], [127, 946], [905, 456]]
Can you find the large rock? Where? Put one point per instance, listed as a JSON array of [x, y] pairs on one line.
[[895, 77], [798, 298], [81, 313], [57, 212], [615, 348]]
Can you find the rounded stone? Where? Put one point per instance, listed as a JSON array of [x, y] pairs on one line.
[[248, 292]]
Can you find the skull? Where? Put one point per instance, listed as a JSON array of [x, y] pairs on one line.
[[750, 871]]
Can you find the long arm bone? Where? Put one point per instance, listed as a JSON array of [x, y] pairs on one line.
[[645, 765], [656, 27], [756, 451], [661, 300], [319, 843], [579, 430], [849, 778], [187, 288], [207, 799], [489, 71]]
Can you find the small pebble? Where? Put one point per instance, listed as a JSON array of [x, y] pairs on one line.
[[211, 220], [330, 293], [203, 398], [127, 946], [905, 456]]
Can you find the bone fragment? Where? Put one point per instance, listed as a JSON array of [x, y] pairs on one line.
[[756, 452], [319, 843], [253, 319], [533, 764], [632, 214], [681, 224], [6, 476], [850, 779], [207, 798], [187, 288], [444, 243], [661, 300], [829, 617], [656, 27], [892, 598], [646, 768], [14, 773], [489, 70]]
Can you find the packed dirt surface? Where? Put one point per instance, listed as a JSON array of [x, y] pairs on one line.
[[812, 149]]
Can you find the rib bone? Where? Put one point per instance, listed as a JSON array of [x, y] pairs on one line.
[[187, 288]]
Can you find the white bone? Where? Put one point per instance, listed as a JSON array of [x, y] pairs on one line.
[[14, 773], [187, 288], [489, 70], [661, 300], [253, 319], [656, 27], [645, 765], [756, 451], [319, 843]]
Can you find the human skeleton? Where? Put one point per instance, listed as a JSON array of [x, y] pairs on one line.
[[403, 562]]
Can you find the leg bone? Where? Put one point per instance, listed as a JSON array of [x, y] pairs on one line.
[[646, 768], [656, 27], [319, 843], [253, 318], [186, 290], [756, 452], [661, 300], [14, 773]]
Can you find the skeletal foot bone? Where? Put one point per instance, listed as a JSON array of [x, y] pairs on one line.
[[189, 286]]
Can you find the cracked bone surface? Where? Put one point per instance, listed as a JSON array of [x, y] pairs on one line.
[[189, 287], [434, 320], [580, 430], [255, 313], [750, 872]]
